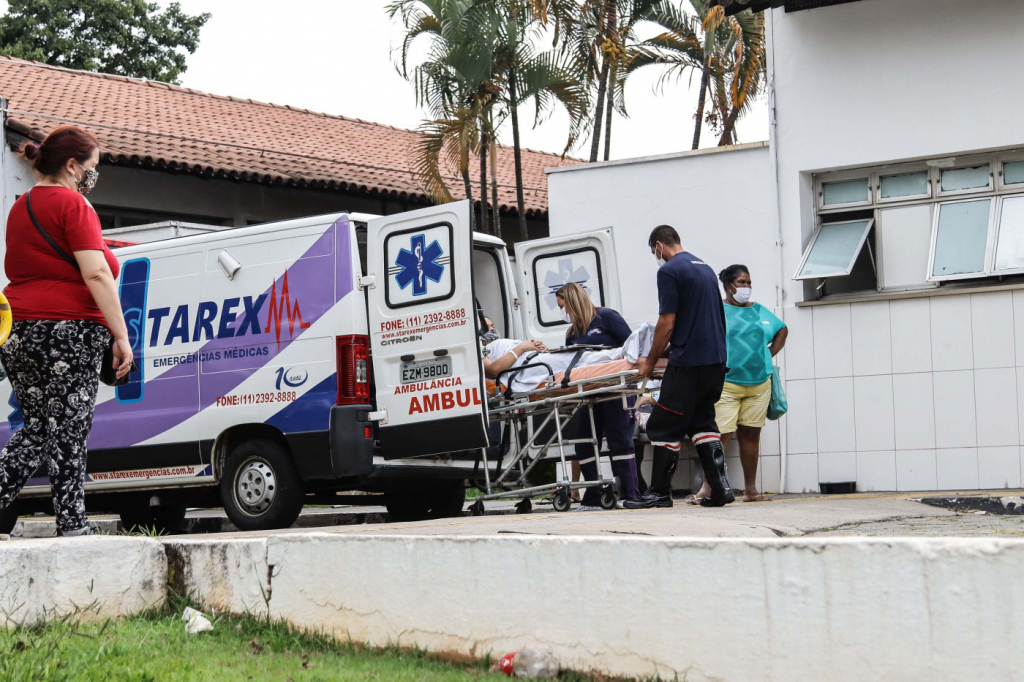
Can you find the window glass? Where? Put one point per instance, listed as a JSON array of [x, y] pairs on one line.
[[845, 192], [419, 266], [962, 235], [835, 249], [905, 235], [1010, 250], [956, 179], [551, 271], [904, 185], [1013, 172]]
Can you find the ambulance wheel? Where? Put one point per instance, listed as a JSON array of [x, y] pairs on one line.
[[260, 487], [166, 519], [608, 498], [561, 500], [8, 517], [421, 501]]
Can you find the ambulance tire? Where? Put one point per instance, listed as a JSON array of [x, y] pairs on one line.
[[420, 502], [261, 488]]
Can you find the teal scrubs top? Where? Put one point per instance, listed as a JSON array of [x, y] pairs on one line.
[[748, 331]]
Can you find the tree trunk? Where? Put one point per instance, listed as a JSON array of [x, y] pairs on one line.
[[484, 222], [728, 136], [495, 207], [469, 195], [608, 126], [704, 79], [517, 154], [602, 87]]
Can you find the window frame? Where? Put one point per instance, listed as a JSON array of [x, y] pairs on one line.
[[814, 239], [843, 176], [994, 203], [565, 252], [1001, 161], [904, 170], [997, 227], [880, 249]]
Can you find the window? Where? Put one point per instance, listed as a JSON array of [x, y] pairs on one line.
[[904, 185], [1010, 246], [551, 271], [834, 249], [961, 239], [846, 192], [965, 179], [419, 266], [953, 218]]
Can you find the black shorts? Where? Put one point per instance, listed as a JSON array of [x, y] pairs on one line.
[[686, 405]]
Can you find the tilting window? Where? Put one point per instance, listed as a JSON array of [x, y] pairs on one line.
[[1010, 245], [961, 239], [834, 249], [846, 193]]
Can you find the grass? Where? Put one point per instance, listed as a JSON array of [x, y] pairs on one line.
[[154, 646]]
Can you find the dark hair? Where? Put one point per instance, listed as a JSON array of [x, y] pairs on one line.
[[666, 234], [66, 142], [729, 275]]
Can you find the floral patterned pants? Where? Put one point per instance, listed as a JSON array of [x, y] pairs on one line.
[[54, 368]]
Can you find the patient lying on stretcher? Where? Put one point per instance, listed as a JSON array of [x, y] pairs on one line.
[[501, 355]]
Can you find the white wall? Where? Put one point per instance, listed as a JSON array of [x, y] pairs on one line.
[[720, 201], [908, 395]]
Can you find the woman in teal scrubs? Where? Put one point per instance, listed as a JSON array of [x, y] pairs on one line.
[[753, 337]]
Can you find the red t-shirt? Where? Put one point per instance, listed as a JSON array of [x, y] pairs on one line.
[[43, 285]]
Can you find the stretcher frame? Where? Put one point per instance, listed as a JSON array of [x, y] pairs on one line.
[[557, 402]]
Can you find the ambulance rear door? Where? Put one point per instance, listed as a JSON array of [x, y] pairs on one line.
[[427, 370], [544, 265]]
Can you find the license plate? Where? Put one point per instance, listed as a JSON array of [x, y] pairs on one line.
[[425, 370]]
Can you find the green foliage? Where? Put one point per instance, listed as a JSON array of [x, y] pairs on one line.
[[123, 37]]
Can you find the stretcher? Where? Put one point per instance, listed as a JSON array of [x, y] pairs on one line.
[[532, 428]]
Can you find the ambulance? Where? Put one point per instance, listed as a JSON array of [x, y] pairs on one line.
[[285, 363]]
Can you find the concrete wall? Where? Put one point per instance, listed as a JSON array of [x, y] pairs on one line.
[[720, 201], [833, 609], [916, 394]]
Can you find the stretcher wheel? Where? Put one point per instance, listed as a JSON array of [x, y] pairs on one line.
[[6, 320], [608, 499], [477, 509], [561, 500], [524, 506]]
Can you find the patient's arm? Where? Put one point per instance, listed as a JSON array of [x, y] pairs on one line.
[[492, 368]]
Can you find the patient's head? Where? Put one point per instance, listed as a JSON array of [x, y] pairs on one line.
[[491, 334]]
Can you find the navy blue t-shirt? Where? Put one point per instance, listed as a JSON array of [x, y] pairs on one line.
[[688, 287], [607, 329]]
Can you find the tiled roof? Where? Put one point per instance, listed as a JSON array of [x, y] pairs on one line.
[[165, 127], [736, 6]]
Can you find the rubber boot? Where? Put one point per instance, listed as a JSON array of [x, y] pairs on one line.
[[712, 459], [659, 494]]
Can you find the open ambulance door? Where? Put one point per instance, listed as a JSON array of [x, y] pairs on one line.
[[587, 258], [427, 370]]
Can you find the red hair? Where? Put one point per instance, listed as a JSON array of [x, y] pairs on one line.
[[66, 142]]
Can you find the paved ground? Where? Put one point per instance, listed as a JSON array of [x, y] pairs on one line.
[[863, 514]]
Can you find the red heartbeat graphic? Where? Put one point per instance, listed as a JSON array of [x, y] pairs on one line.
[[283, 308]]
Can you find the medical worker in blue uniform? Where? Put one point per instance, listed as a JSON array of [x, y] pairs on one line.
[[589, 325]]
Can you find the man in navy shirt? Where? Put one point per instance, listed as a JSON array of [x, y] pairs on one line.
[[692, 319]]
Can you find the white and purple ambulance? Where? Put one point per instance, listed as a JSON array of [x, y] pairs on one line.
[[283, 363]]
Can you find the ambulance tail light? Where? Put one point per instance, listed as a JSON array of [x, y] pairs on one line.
[[353, 358]]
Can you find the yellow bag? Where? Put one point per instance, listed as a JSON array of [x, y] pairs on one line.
[[6, 319]]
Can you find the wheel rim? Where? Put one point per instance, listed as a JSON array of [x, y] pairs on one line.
[[255, 486]]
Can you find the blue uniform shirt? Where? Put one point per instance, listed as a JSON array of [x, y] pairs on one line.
[[688, 287], [607, 329]]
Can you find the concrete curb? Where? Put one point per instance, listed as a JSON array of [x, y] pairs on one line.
[[96, 577], [720, 609]]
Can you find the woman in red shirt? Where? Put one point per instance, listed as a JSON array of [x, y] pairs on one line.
[[64, 319]]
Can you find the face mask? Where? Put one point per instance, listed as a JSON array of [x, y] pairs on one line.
[[565, 316], [489, 336], [742, 295], [660, 254], [87, 182]]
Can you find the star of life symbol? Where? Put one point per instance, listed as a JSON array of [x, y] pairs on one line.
[[553, 281], [419, 265]]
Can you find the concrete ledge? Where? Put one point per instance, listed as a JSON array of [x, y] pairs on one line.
[[227, 576], [837, 609], [95, 576]]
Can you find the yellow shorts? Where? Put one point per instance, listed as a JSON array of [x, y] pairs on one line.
[[743, 405]]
